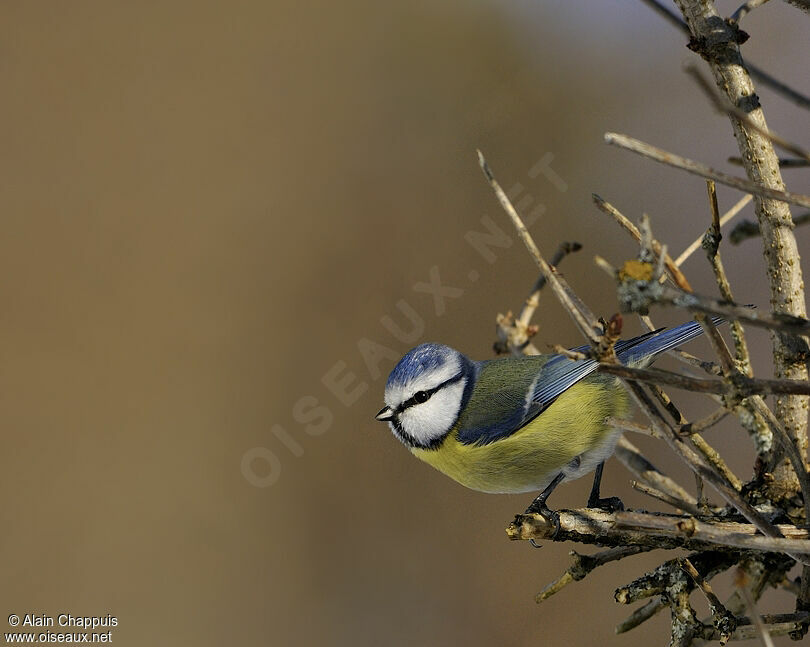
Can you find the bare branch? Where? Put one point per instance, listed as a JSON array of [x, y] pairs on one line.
[[515, 333], [678, 504], [723, 220], [749, 229], [704, 423], [752, 608], [688, 455], [672, 266], [711, 243], [803, 602], [776, 625], [714, 533], [722, 104], [784, 162], [581, 315], [696, 168], [745, 9], [724, 622], [741, 387], [630, 456], [789, 446], [717, 42], [655, 531], [804, 5], [532, 301], [758, 73], [720, 535], [638, 293], [640, 615], [584, 564]]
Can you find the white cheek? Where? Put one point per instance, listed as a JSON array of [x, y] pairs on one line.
[[432, 419]]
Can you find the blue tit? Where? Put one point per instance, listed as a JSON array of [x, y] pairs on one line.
[[512, 425]]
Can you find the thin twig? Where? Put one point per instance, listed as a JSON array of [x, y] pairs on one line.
[[742, 386], [728, 215], [722, 104], [635, 427], [804, 5], [745, 9], [631, 457], [803, 601], [584, 319], [704, 423], [583, 564], [717, 41], [724, 622], [710, 454], [671, 296], [788, 445], [641, 615], [696, 168], [702, 501], [784, 162], [515, 333], [718, 344], [672, 266], [678, 504], [776, 625], [529, 308], [752, 608], [688, 455], [749, 229], [711, 243], [714, 459]]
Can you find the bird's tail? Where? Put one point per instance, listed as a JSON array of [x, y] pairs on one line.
[[641, 350]]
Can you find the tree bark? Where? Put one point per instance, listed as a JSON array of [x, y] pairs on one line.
[[718, 43]]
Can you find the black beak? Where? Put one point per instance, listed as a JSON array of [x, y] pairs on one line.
[[385, 414]]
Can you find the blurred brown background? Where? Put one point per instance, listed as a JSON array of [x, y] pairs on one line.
[[206, 206]]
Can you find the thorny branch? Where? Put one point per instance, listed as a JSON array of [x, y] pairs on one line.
[[711, 531], [762, 529]]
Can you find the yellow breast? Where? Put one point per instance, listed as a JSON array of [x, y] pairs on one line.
[[526, 460]]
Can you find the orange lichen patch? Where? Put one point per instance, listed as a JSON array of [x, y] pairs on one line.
[[636, 270]]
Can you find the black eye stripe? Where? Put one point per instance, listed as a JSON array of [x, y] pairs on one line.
[[429, 392]]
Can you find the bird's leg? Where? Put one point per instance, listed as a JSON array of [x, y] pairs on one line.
[[610, 504], [539, 504]]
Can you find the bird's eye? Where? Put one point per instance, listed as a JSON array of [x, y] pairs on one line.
[[421, 396]]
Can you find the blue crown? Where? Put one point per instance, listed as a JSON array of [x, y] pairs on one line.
[[419, 360]]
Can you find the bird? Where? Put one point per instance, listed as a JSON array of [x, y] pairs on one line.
[[517, 424]]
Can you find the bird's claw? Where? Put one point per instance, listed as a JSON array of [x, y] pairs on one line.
[[549, 515], [608, 504]]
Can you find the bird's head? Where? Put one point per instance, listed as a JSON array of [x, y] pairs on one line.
[[425, 393]]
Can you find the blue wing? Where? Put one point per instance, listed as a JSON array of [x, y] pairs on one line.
[[508, 407], [560, 373]]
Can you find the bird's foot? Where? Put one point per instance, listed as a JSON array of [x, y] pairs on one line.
[[552, 517], [608, 504]]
